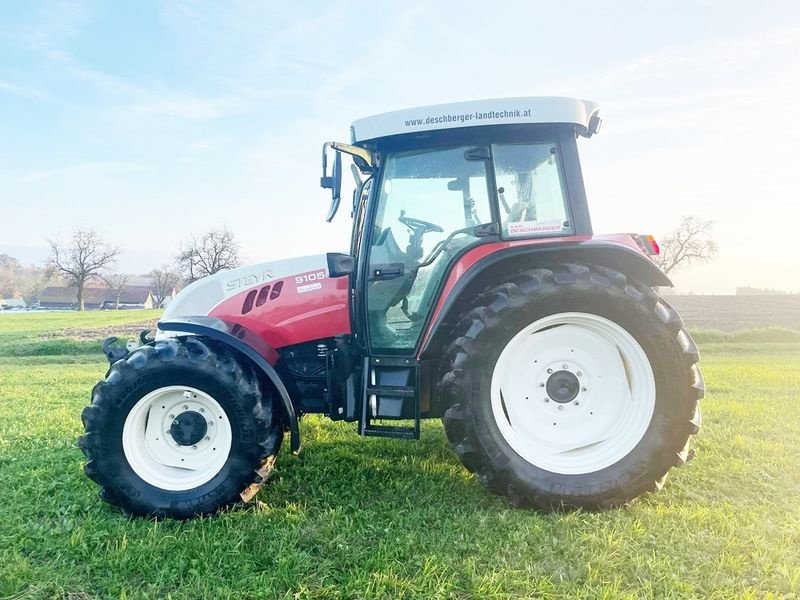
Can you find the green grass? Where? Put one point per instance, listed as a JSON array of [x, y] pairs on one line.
[[44, 322], [372, 518], [48, 333]]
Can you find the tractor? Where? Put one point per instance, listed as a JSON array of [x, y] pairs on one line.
[[475, 291]]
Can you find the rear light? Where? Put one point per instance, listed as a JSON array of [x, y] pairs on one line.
[[647, 243], [652, 244]]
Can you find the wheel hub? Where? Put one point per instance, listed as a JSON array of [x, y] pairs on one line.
[[563, 386], [188, 428], [177, 437]]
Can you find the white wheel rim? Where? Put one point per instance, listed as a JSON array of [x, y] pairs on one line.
[[610, 412], [155, 455]]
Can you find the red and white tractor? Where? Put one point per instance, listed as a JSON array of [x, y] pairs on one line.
[[474, 291]]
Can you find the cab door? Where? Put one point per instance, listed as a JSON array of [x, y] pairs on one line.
[[429, 203]]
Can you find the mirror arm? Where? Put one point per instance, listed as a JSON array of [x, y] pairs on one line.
[[361, 153]]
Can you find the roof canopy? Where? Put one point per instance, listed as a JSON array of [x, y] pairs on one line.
[[499, 111]]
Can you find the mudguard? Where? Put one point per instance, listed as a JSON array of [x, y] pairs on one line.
[[480, 266], [246, 342]]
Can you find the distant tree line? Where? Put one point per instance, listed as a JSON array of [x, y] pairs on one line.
[[755, 291], [86, 258], [21, 281]]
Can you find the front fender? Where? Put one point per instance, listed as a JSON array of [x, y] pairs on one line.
[[247, 343]]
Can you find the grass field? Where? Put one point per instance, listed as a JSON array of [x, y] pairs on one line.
[[364, 518]]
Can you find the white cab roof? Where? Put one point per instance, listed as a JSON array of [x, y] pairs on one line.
[[498, 111]]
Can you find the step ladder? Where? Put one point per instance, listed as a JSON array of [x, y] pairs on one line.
[[391, 386]]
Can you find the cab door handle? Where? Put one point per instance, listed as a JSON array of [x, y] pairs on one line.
[[389, 271]]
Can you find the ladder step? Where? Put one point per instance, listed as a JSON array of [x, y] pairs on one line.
[[396, 391], [406, 433], [389, 388]]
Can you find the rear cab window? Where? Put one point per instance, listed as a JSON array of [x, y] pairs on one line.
[[531, 190]]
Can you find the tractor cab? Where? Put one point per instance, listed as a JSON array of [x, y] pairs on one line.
[[433, 183]]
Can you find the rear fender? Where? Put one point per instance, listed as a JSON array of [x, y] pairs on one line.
[[463, 285], [245, 342]]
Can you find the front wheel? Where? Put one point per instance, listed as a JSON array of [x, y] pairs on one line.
[[571, 387], [179, 429]]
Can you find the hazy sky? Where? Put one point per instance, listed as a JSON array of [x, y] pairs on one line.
[[151, 120]]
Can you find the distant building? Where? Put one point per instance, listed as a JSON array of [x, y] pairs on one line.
[[131, 296], [149, 282], [9, 303]]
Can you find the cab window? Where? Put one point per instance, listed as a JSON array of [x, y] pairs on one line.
[[531, 190]]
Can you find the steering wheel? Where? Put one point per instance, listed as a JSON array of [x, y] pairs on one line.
[[418, 229], [418, 225]]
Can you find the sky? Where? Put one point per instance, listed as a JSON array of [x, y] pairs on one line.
[[150, 121]]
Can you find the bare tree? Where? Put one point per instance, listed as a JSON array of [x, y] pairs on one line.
[[691, 242], [116, 282], [214, 251], [165, 281], [84, 257]]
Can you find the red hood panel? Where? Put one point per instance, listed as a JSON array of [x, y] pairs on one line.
[[291, 310]]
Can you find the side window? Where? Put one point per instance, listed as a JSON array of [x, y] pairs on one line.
[[531, 191]]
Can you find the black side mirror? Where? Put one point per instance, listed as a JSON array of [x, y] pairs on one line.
[[332, 182]]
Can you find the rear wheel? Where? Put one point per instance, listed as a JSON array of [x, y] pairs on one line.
[[571, 386], [179, 429]]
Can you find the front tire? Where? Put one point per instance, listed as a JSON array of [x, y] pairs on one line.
[[571, 387], [178, 429]]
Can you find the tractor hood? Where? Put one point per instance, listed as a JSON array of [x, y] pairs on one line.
[[285, 302]]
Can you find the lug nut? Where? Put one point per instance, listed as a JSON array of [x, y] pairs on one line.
[[172, 416], [565, 366], [185, 407], [202, 410], [194, 447], [560, 407], [579, 373], [175, 422], [576, 403], [541, 384], [549, 370], [211, 422], [547, 399], [583, 389], [208, 439]]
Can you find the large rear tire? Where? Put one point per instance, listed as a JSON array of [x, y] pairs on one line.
[[571, 387], [179, 429]]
